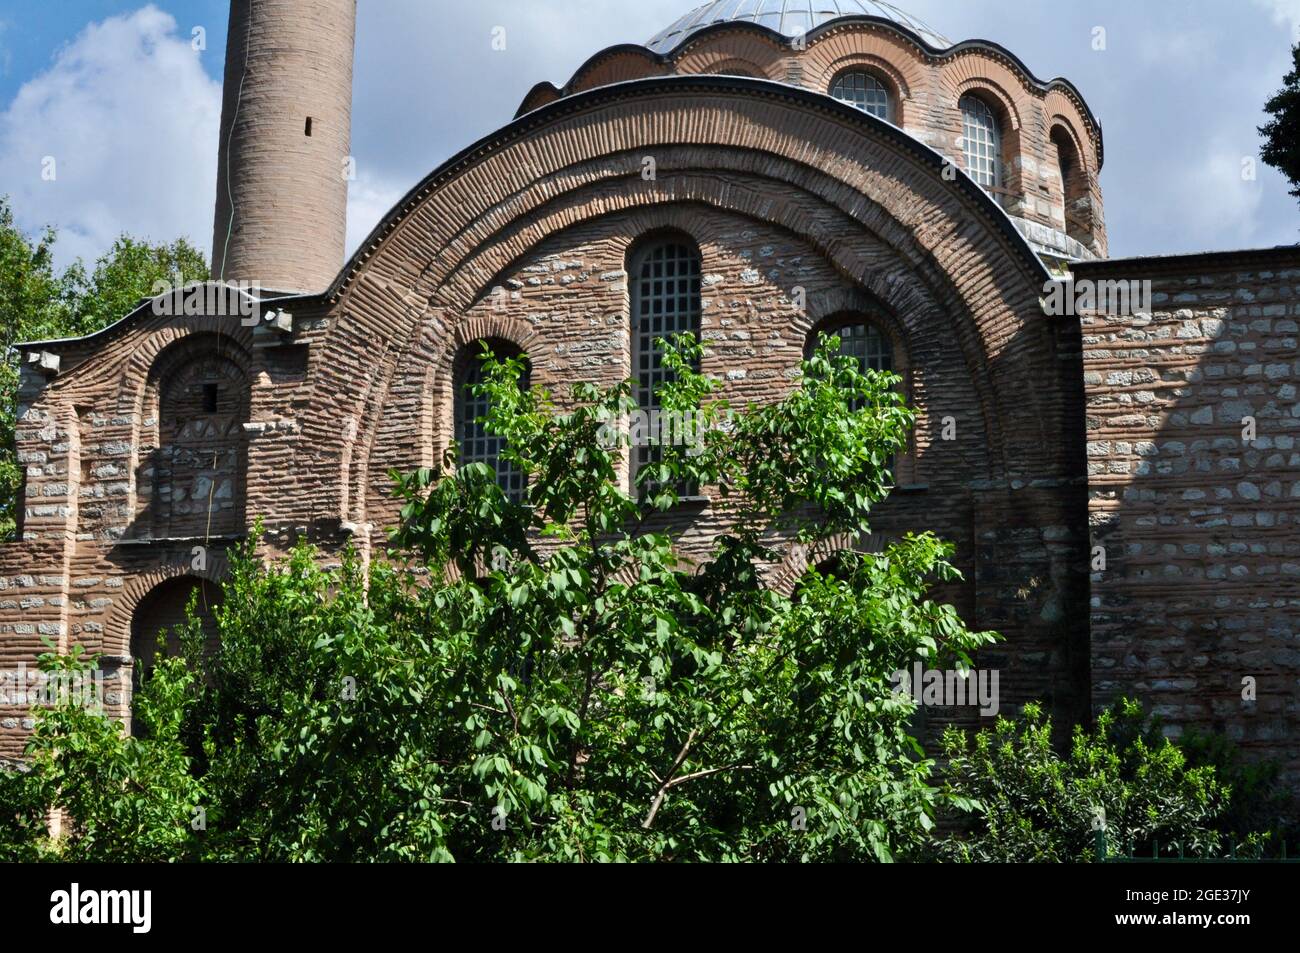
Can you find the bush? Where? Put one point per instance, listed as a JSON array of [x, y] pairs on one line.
[[1027, 802]]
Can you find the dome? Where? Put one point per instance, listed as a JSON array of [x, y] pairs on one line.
[[788, 17]]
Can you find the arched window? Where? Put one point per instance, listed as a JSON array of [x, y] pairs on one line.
[[194, 448], [665, 298], [982, 143], [874, 350], [859, 339], [861, 89], [475, 443]]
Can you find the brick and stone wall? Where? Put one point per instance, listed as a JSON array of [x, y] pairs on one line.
[[527, 240], [1193, 420]]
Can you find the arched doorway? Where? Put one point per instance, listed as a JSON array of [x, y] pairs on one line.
[[160, 618]]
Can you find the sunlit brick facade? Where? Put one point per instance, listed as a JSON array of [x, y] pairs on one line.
[[1048, 444]]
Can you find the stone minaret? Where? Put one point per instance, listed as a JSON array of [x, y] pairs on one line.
[[286, 116]]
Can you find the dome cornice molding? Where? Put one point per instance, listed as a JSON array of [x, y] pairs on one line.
[[934, 56]]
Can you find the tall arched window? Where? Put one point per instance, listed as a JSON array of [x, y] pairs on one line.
[[475, 443], [665, 298], [982, 142], [861, 89], [1075, 213], [874, 350]]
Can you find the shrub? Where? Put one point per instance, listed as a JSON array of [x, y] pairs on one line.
[[1027, 802]]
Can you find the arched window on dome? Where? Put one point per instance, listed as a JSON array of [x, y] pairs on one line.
[[866, 91], [665, 280], [982, 143], [475, 443]]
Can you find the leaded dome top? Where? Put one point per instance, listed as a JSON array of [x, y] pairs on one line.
[[790, 18]]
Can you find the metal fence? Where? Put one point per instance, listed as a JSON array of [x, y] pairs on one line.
[[1130, 856]]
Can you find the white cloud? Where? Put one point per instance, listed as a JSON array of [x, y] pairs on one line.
[[370, 197], [130, 120], [1286, 12]]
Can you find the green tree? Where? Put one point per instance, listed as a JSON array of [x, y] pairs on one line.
[[40, 303], [1282, 132], [547, 679]]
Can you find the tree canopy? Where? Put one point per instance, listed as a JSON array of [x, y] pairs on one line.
[[1282, 132]]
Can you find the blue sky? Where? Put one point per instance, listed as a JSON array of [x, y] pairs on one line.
[[114, 91]]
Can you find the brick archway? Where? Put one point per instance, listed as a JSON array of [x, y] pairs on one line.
[[822, 170], [800, 557], [117, 629]]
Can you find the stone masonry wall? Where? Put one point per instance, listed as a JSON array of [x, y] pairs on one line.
[[1199, 600]]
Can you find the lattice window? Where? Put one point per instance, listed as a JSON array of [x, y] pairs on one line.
[[866, 343], [873, 350], [665, 301], [475, 443], [864, 91], [982, 142]]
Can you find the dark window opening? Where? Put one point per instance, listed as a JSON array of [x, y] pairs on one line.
[[307, 129], [476, 444], [666, 286], [210, 394]]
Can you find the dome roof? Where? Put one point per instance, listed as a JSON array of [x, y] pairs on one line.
[[788, 17]]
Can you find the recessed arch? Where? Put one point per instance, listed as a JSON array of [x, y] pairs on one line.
[[735, 66], [984, 143], [1002, 103], [665, 279], [1077, 219], [475, 443], [486, 208], [875, 62], [800, 557], [160, 618], [171, 565], [191, 447], [879, 342]]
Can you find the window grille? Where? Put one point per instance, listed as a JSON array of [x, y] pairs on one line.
[[864, 91], [665, 301]]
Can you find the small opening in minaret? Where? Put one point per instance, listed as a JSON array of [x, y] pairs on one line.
[[307, 130]]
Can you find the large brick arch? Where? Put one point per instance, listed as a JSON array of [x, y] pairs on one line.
[[823, 170]]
